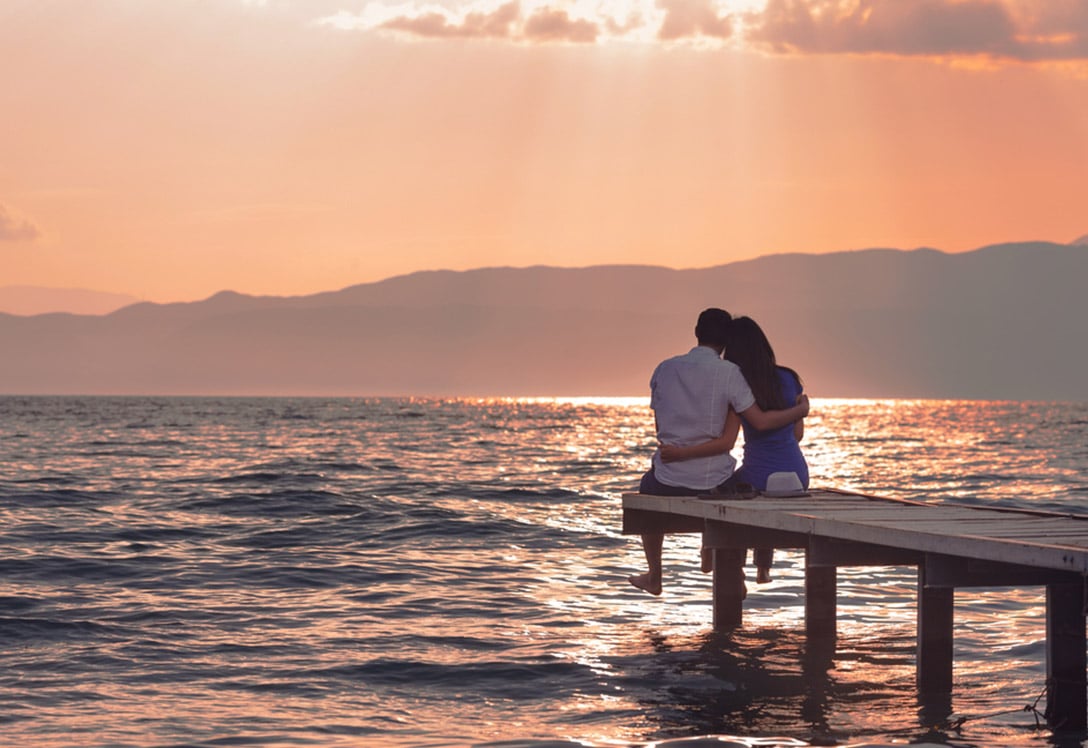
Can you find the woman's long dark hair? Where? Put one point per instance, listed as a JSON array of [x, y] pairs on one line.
[[748, 348]]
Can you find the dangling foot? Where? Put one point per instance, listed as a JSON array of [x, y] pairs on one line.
[[646, 583], [707, 556], [763, 575]]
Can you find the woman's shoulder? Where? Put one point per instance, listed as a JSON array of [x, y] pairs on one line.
[[790, 377]]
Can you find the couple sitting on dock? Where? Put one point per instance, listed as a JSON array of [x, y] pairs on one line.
[[700, 402]]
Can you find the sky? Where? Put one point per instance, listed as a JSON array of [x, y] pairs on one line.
[[171, 149]]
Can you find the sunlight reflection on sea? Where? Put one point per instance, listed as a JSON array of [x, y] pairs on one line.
[[201, 571]]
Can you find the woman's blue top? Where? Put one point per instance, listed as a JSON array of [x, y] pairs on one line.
[[767, 452]]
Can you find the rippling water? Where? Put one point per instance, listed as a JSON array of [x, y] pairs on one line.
[[201, 571]]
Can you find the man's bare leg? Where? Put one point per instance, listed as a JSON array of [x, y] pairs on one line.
[[652, 544]]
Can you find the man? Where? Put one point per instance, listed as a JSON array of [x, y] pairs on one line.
[[691, 396]]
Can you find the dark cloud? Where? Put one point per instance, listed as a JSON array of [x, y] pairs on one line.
[[692, 18], [1055, 30], [1057, 17], [556, 26], [14, 228], [947, 28]]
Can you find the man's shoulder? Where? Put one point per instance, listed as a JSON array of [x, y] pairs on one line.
[[693, 369], [674, 360], [696, 358]]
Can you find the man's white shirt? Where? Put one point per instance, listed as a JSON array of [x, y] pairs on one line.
[[691, 395]]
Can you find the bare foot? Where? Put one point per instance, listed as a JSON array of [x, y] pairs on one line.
[[763, 575], [646, 584]]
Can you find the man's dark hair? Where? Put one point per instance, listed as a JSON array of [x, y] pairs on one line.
[[713, 327]]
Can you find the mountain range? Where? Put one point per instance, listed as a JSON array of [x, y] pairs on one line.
[[1001, 322], [28, 300]]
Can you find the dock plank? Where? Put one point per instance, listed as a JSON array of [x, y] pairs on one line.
[[1027, 538]]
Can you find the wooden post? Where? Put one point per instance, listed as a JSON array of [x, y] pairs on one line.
[[729, 589], [821, 605], [1067, 705], [934, 635], [934, 709]]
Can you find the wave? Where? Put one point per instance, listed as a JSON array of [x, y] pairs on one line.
[[254, 571]]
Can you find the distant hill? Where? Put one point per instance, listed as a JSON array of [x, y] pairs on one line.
[[1002, 322], [1082, 242], [28, 300]]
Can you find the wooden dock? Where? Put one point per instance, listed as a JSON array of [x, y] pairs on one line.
[[952, 546]]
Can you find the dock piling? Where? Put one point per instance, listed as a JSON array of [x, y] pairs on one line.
[[821, 606], [935, 617], [1066, 673], [729, 589]]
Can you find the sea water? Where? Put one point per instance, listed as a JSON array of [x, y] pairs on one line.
[[333, 572]]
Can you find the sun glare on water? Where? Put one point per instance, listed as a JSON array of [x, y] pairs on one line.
[[617, 402]]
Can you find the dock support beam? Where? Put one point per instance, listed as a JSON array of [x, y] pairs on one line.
[[729, 589], [821, 605], [1067, 704], [934, 635]]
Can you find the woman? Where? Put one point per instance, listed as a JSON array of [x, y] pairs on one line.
[[765, 452]]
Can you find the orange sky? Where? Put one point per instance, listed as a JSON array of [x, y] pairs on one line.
[[173, 149]]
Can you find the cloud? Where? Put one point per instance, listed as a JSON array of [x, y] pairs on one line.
[[15, 228], [1053, 30], [548, 25], [691, 18], [999, 29], [994, 30], [495, 24], [508, 21], [533, 22]]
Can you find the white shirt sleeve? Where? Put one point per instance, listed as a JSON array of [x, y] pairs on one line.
[[740, 394]]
